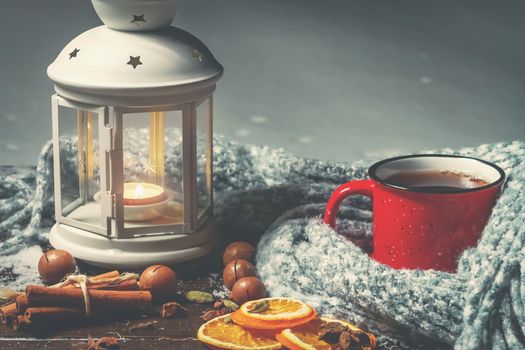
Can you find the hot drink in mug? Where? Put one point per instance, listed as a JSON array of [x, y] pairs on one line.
[[427, 209]]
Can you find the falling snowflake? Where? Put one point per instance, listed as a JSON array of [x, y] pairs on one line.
[[12, 147], [258, 119], [425, 80], [304, 140], [242, 132], [10, 117]]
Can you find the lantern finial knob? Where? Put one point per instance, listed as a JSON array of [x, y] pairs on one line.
[[137, 15]]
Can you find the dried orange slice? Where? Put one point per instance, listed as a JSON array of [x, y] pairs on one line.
[[306, 337], [279, 313], [222, 333]]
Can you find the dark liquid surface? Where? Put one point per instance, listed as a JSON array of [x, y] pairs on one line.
[[435, 181]]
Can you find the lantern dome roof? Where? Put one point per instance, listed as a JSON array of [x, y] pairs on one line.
[[117, 67]]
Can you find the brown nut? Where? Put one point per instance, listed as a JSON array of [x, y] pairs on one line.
[[235, 270], [160, 280], [54, 265], [248, 288], [238, 250]]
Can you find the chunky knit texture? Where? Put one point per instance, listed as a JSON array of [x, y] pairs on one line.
[[259, 189]]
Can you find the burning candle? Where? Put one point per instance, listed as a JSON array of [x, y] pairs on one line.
[[139, 193], [143, 201]]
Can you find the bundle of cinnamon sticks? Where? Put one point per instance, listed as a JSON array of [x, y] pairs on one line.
[[107, 294]]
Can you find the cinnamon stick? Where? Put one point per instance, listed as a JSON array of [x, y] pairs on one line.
[[97, 282], [7, 312], [131, 284], [100, 299], [110, 274], [21, 304], [12, 313], [51, 315]]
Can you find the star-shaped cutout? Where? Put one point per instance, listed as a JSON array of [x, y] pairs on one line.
[[134, 61], [196, 54], [138, 20], [73, 53]]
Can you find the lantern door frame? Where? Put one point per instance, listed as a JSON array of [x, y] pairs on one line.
[[188, 168], [104, 145]]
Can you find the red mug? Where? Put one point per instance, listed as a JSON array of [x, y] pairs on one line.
[[424, 227]]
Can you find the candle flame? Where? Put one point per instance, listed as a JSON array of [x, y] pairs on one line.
[[139, 191]]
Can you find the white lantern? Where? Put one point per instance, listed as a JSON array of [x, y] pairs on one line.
[[132, 139]]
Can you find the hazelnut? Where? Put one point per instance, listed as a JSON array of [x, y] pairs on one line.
[[248, 288], [238, 250], [160, 280], [235, 270], [54, 265]]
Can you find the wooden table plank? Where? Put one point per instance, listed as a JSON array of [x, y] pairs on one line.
[[177, 333], [128, 343]]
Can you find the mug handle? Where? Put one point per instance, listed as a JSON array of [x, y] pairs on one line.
[[363, 187]]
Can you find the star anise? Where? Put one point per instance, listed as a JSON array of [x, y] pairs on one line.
[[331, 331], [173, 309], [104, 343], [343, 337]]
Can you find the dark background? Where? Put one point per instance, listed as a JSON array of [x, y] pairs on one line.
[[322, 78]]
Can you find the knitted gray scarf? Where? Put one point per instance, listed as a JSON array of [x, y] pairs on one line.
[[263, 190]]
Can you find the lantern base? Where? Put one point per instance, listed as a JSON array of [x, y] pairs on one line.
[[132, 253]]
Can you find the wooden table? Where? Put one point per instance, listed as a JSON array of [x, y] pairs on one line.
[[204, 274], [175, 333]]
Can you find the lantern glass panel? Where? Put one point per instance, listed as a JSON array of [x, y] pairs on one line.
[[152, 155], [204, 157], [79, 166]]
